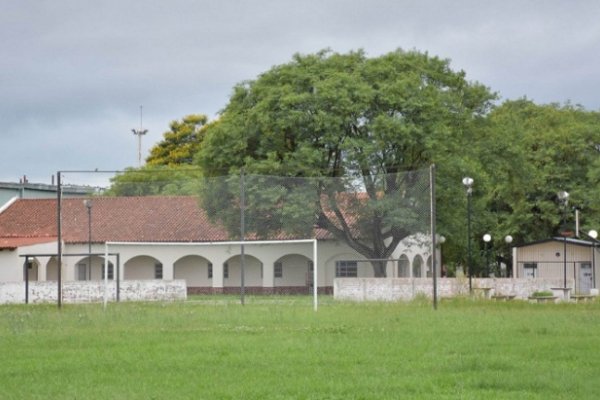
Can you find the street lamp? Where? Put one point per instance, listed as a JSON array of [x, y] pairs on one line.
[[487, 238], [508, 240], [594, 235], [88, 205], [468, 182], [563, 197]]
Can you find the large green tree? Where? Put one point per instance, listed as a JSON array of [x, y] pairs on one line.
[[169, 168], [357, 119], [531, 152]]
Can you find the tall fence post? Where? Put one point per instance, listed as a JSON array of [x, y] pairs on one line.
[[59, 236], [433, 233], [242, 235]]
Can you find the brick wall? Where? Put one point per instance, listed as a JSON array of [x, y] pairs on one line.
[[394, 289], [93, 291]]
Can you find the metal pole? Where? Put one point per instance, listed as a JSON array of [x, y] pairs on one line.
[[59, 234], [594, 264], [487, 259], [565, 259], [315, 279], [118, 277], [242, 234], [105, 274], [26, 279], [469, 266], [433, 233], [88, 204]]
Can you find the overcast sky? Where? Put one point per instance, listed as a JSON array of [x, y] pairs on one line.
[[74, 73]]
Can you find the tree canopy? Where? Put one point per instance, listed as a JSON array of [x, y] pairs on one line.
[[362, 123], [353, 117], [169, 168]]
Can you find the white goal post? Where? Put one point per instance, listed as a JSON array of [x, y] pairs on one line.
[[227, 243]]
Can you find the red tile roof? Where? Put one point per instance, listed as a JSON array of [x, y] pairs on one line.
[[16, 242], [127, 219]]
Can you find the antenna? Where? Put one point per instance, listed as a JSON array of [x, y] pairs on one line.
[[139, 133]]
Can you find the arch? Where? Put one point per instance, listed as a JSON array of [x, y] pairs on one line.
[[52, 269], [403, 266], [253, 271], [417, 266], [96, 272], [195, 270], [143, 268], [32, 269], [429, 269], [292, 270]]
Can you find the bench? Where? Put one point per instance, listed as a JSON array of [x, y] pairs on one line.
[[561, 292], [484, 290], [543, 299], [503, 297], [582, 297]]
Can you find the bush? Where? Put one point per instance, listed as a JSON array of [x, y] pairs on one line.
[[542, 293]]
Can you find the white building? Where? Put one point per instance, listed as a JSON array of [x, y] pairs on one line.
[[171, 237]]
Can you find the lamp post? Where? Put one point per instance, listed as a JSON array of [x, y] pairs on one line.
[[508, 240], [468, 182], [487, 238], [594, 235], [88, 205], [563, 197]]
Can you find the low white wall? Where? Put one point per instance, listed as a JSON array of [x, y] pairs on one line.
[[394, 289], [93, 291]]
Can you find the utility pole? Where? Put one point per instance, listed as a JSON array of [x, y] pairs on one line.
[[139, 133]]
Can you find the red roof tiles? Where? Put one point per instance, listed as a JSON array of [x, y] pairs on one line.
[[127, 219]]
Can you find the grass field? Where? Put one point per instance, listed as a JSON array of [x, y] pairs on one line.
[[279, 348]]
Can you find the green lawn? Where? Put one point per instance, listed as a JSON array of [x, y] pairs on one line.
[[279, 348]]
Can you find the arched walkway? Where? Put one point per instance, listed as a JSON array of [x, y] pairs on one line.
[[83, 272], [417, 266], [143, 267], [403, 266], [292, 270], [232, 271], [196, 270]]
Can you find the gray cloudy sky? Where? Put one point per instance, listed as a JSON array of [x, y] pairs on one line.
[[74, 73]]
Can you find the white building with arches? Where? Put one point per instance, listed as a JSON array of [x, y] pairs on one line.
[[171, 237]]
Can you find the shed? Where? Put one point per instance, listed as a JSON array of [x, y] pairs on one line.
[[558, 257]]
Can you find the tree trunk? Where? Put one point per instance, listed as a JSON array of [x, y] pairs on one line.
[[379, 268]]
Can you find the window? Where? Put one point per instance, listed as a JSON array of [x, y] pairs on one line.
[[81, 272], [225, 270], [346, 269], [210, 271], [278, 269], [158, 271], [111, 272], [529, 269]]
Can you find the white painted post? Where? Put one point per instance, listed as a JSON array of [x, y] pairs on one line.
[[105, 274], [315, 274]]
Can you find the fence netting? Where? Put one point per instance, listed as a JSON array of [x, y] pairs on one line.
[[364, 217]]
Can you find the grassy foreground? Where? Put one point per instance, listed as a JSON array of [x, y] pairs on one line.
[[284, 350]]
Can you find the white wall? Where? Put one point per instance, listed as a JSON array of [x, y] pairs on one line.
[[93, 291], [394, 289]]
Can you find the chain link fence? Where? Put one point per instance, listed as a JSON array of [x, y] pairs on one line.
[[246, 232]]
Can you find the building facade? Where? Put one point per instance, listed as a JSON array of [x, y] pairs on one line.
[[166, 238], [559, 257]]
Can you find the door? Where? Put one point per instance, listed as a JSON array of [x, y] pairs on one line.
[[585, 278]]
